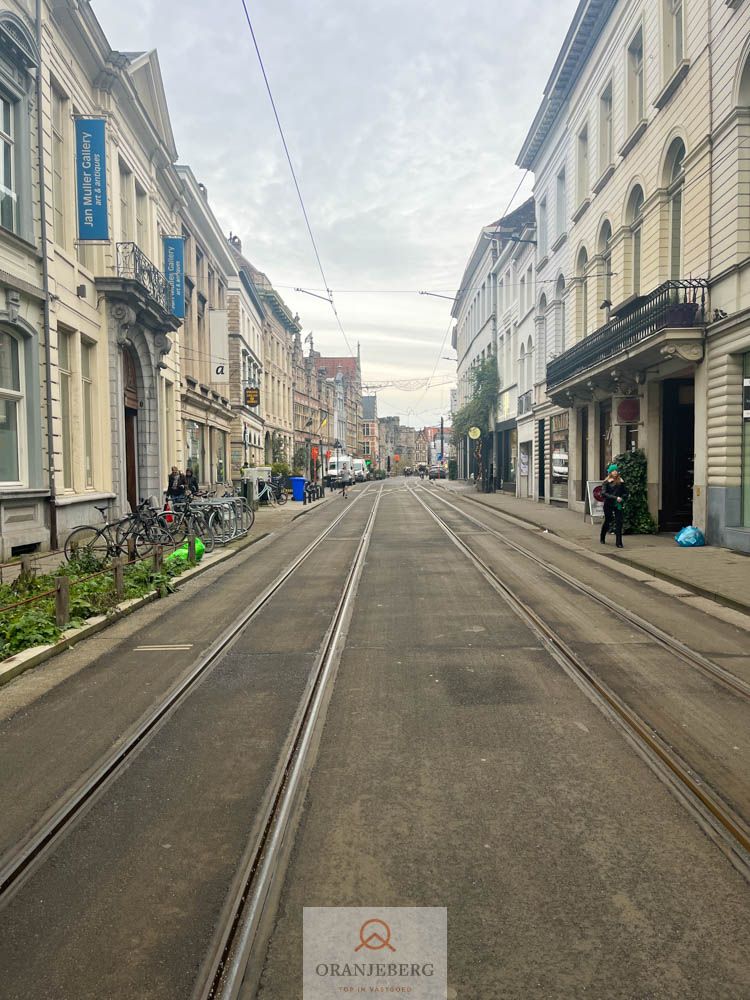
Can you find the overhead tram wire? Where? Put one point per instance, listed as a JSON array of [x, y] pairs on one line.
[[294, 175]]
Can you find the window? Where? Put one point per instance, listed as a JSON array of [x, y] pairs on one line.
[[582, 173], [605, 267], [141, 218], [583, 297], [635, 221], [675, 180], [366, 448], [8, 197], [560, 207], [522, 295], [87, 403], [365, 430], [636, 98], [542, 234], [11, 409], [126, 229], [673, 37], [65, 369], [606, 146], [560, 296], [59, 134]]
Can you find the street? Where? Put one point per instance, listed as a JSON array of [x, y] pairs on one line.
[[452, 759]]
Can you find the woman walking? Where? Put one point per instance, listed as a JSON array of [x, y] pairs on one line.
[[615, 494]]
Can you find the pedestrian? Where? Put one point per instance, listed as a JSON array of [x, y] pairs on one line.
[[175, 483], [615, 493], [191, 483], [346, 479]]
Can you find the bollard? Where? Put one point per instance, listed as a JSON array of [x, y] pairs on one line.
[[62, 600], [158, 558], [119, 577], [27, 570], [132, 555], [191, 547]]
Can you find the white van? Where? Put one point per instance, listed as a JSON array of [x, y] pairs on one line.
[[359, 470], [336, 466]]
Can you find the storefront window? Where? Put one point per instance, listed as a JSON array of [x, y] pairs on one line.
[[746, 443], [559, 438], [220, 456], [605, 437], [194, 447]]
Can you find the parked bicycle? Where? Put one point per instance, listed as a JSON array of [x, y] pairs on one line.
[[187, 515], [140, 531]]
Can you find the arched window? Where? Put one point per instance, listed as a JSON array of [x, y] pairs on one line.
[[12, 410], [522, 371], [541, 337], [674, 177], [560, 296], [18, 61], [529, 364], [604, 250], [582, 264], [634, 219]]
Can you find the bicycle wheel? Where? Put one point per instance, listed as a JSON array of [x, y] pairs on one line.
[[247, 516], [200, 525], [281, 497], [176, 529], [87, 540]]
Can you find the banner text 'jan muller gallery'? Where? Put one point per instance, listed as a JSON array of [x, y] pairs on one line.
[[91, 179]]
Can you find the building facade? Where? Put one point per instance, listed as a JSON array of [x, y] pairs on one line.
[[370, 432]]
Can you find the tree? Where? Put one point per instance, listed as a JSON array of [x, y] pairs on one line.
[[278, 448], [479, 411], [633, 468]]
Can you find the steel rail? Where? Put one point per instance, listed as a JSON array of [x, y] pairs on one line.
[[247, 911], [18, 862], [669, 642], [727, 828]]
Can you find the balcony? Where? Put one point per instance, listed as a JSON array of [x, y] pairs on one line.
[[133, 263], [641, 334], [525, 402]]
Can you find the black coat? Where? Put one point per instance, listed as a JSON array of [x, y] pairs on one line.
[[614, 492]]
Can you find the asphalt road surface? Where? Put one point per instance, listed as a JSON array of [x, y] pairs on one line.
[[459, 767]]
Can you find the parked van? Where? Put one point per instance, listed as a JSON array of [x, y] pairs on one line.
[[336, 466], [359, 470]]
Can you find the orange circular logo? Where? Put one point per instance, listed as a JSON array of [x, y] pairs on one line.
[[374, 935]]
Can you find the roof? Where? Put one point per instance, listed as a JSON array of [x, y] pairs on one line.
[[271, 298], [508, 225], [369, 407], [349, 366], [583, 33]]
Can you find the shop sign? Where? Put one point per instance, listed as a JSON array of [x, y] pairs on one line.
[[746, 399], [174, 272], [218, 328], [91, 179], [252, 395]]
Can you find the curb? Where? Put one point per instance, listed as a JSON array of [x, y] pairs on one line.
[[16, 664], [694, 588]]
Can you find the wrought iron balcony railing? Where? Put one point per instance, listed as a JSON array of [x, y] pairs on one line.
[[525, 402], [133, 263], [681, 303]]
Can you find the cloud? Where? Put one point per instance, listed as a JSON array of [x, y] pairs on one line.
[[403, 120]]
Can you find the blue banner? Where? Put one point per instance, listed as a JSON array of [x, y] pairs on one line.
[[91, 179], [174, 271]]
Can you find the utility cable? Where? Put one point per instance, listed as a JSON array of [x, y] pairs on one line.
[[294, 174]]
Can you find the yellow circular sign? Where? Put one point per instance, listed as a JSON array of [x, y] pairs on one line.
[[474, 433]]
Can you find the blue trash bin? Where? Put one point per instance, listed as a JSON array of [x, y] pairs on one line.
[[298, 488]]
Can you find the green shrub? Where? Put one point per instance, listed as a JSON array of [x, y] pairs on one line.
[[34, 626], [633, 468], [280, 469]]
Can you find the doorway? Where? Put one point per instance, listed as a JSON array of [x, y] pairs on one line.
[[677, 449], [130, 402]]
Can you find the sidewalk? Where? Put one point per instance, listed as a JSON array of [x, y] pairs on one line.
[[712, 572], [266, 519]]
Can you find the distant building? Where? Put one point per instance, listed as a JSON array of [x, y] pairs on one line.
[[370, 431]]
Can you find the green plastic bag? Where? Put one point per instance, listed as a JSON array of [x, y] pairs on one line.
[[182, 552]]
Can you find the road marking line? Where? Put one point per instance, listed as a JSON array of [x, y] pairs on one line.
[[188, 645]]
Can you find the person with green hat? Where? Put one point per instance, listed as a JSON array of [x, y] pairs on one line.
[[615, 493]]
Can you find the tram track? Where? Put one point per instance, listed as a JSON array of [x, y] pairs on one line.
[[24, 857], [716, 817], [669, 642]]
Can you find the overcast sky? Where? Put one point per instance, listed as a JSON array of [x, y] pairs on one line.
[[403, 119]]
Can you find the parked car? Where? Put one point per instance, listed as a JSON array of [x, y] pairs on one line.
[[359, 470], [437, 472]]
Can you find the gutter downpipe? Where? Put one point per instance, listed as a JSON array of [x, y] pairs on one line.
[[45, 282]]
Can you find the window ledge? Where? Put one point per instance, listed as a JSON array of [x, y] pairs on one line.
[[634, 137], [542, 261], [608, 171], [734, 4], [581, 210], [559, 242], [82, 497], [672, 84], [19, 241]]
